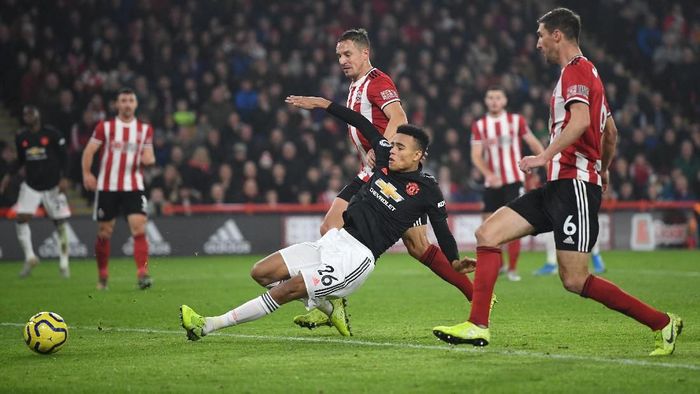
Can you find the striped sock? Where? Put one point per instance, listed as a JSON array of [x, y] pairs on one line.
[[251, 310]]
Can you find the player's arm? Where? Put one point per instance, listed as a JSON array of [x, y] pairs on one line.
[[477, 155], [148, 156], [394, 111], [578, 123], [609, 144], [533, 143], [21, 158], [89, 180], [366, 128], [62, 153]]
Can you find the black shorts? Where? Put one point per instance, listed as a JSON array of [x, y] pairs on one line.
[[109, 204], [495, 198], [569, 207], [351, 189]]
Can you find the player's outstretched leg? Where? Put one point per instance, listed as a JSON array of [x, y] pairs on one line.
[[331, 313], [197, 326], [665, 339]]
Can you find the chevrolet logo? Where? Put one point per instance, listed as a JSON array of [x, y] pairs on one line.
[[388, 190]]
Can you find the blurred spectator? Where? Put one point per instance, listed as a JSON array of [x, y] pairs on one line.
[[219, 84]]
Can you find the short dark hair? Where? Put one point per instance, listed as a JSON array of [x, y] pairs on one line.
[[125, 91], [358, 36], [417, 133], [499, 88], [564, 20]]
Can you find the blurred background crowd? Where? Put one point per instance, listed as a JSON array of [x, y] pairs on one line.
[[211, 78]]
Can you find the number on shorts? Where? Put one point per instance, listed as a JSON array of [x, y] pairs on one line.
[[569, 228], [327, 279], [144, 203]]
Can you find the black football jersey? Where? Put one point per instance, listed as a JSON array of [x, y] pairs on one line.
[[43, 154], [391, 202]]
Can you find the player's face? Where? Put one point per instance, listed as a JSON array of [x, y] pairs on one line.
[[496, 101], [126, 105], [405, 154], [352, 59], [546, 43], [30, 116]]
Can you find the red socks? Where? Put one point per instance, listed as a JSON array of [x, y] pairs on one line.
[[434, 259], [102, 254], [141, 254], [488, 262], [616, 299], [513, 254]]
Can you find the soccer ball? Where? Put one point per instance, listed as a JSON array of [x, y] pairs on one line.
[[46, 332]]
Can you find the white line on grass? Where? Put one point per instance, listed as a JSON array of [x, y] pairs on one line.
[[403, 345]]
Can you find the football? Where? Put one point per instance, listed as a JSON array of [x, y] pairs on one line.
[[46, 332]]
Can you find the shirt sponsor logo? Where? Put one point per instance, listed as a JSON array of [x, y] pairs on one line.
[[577, 90], [388, 190], [227, 239], [389, 94]]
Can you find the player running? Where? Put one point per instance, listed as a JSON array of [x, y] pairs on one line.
[[495, 152], [373, 94], [393, 198], [568, 203], [41, 150], [126, 144]]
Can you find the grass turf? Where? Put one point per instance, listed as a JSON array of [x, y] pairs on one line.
[[543, 338]]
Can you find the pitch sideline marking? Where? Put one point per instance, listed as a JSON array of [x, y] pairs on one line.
[[522, 353]]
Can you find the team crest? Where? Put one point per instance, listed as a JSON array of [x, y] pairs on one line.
[[44, 141], [412, 188]]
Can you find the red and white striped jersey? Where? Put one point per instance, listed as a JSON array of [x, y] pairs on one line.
[[501, 138], [122, 145], [368, 96], [579, 81]]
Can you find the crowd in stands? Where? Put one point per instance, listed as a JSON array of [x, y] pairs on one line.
[[212, 76]]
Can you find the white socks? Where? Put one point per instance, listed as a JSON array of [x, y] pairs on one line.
[[326, 307], [24, 236], [62, 245], [251, 310], [551, 249]]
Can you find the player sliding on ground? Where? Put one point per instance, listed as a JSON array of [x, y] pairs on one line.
[[320, 273], [568, 203]]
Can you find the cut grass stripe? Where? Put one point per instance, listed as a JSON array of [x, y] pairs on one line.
[[402, 345]]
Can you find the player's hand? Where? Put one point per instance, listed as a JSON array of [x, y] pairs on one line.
[[307, 102], [493, 180], [529, 162], [3, 183], [464, 266], [63, 185], [371, 158], [604, 177], [90, 182]]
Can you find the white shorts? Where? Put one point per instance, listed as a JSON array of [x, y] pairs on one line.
[[334, 266], [55, 203]]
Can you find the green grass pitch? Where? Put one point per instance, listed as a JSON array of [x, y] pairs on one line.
[[543, 338]]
